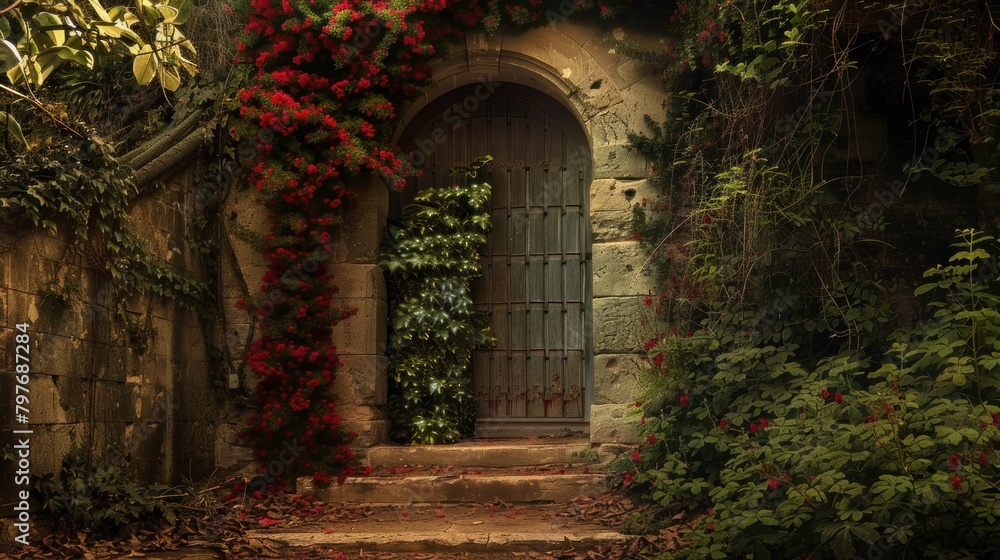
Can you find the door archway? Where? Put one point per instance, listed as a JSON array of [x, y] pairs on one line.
[[536, 284]]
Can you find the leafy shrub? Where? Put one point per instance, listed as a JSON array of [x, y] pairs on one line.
[[887, 450], [432, 259], [102, 498]]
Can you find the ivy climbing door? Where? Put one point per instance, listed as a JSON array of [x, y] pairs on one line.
[[536, 267]]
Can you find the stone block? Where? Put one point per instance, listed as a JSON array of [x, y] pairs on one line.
[[22, 307], [360, 237], [114, 362], [162, 338], [620, 269], [245, 216], [560, 17], [111, 401], [597, 97], [363, 333], [368, 433], [645, 96], [50, 443], [551, 48], [6, 263], [57, 400], [616, 378], [608, 128], [362, 380], [229, 453], [371, 189], [613, 423], [611, 195], [615, 225], [622, 70], [29, 270], [358, 281], [618, 325], [619, 161], [59, 355]]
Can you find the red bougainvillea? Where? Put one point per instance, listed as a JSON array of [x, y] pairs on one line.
[[329, 78]]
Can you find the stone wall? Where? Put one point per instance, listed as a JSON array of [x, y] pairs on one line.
[[96, 384]]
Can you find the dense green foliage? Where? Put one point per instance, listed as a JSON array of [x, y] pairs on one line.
[[891, 445], [432, 258], [788, 400]]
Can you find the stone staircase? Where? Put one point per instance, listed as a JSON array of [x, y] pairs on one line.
[[484, 497]]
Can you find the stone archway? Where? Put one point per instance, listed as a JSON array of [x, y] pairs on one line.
[[575, 65]]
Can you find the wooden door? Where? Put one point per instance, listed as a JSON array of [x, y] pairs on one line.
[[536, 273]]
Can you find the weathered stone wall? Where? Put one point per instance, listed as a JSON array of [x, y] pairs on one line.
[[96, 384]]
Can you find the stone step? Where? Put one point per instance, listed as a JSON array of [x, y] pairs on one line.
[[460, 488], [448, 529], [498, 453]]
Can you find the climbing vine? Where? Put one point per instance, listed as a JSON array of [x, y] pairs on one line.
[[432, 258]]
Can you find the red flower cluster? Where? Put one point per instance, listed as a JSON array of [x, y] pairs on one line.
[[319, 109]]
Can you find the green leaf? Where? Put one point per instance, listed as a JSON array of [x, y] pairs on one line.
[[145, 66], [9, 125], [843, 544], [184, 9]]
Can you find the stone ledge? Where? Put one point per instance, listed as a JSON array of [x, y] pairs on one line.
[[459, 489]]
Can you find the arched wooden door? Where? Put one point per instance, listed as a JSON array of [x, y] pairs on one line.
[[536, 273]]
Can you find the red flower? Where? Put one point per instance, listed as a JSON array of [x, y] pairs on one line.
[[773, 484], [649, 301], [636, 456], [825, 394], [628, 479], [707, 219], [956, 482], [658, 359], [869, 419], [763, 423], [723, 423], [753, 427], [652, 439], [837, 397], [638, 404], [683, 400], [996, 418], [984, 458], [954, 462]]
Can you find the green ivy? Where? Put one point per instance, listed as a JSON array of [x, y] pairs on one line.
[[431, 260], [84, 194]]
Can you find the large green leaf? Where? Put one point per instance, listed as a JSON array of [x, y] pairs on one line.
[[145, 65], [184, 9]]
